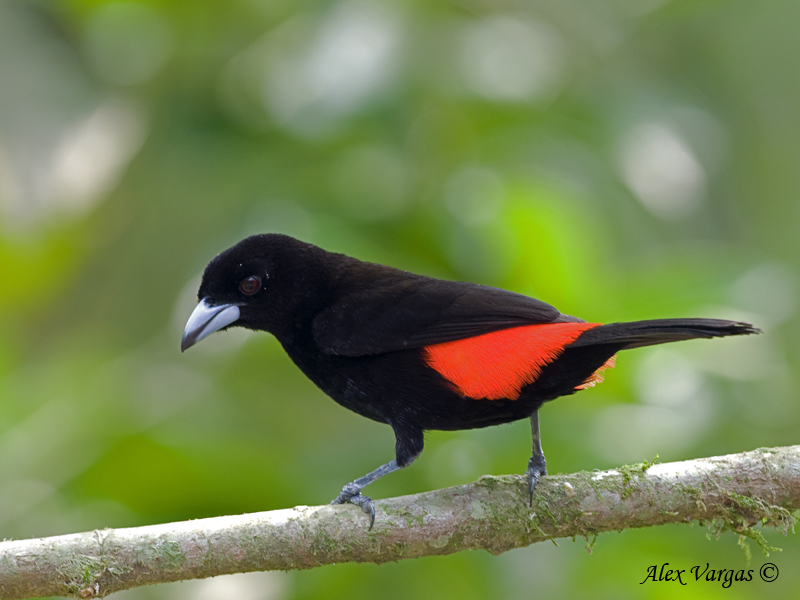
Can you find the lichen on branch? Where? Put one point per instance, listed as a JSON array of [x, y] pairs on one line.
[[735, 492]]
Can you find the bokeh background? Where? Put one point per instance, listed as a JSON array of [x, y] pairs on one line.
[[621, 159]]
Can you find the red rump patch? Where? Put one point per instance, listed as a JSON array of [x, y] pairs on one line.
[[597, 376], [499, 364]]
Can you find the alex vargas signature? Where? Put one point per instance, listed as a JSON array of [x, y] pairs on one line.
[[768, 572]]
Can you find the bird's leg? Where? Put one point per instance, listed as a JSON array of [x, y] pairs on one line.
[[352, 491], [537, 465], [408, 446]]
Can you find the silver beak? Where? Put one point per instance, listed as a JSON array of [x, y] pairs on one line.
[[205, 320]]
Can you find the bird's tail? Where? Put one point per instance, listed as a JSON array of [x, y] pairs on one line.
[[660, 331]]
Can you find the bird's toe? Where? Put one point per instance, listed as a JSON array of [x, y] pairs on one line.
[[537, 467], [352, 495]]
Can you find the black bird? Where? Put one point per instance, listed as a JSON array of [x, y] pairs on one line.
[[414, 352]]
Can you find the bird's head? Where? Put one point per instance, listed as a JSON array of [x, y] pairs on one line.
[[262, 283]]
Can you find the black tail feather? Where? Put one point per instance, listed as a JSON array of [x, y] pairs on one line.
[[661, 331]]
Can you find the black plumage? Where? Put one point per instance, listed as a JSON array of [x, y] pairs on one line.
[[370, 336]]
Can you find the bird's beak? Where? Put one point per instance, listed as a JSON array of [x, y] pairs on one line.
[[205, 320]]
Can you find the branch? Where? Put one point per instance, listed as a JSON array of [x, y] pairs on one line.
[[730, 492]]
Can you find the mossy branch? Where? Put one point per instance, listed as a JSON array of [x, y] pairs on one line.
[[733, 492]]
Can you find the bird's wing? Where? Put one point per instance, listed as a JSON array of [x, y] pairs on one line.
[[411, 313]]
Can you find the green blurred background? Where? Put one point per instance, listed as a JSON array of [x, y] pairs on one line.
[[621, 159]]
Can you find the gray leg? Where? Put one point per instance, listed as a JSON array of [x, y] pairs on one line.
[[352, 491], [537, 466]]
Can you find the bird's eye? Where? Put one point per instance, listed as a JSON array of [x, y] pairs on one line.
[[250, 285]]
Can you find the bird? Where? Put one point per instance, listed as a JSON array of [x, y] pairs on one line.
[[415, 352]]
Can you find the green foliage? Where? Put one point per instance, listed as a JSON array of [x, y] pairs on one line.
[[618, 159]]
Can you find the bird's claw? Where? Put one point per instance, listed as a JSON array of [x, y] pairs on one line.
[[537, 467], [351, 493]]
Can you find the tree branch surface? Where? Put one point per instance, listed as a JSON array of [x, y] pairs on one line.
[[733, 492]]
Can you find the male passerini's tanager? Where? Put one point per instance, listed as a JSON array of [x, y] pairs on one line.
[[414, 352]]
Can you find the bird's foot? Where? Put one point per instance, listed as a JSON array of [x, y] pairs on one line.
[[352, 493], [537, 466]]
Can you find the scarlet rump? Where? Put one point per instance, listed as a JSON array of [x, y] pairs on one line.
[[414, 352]]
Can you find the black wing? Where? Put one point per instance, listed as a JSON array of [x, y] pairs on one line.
[[419, 311]]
